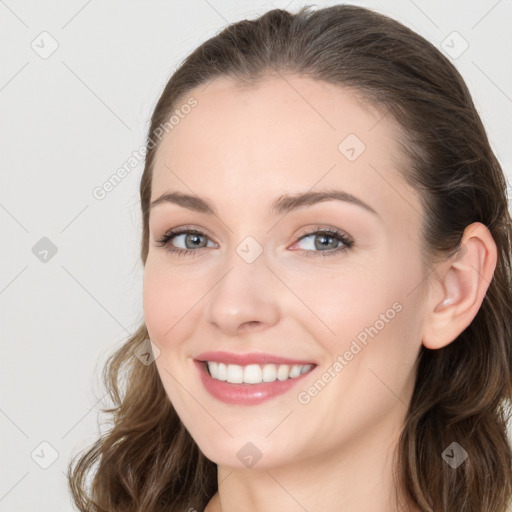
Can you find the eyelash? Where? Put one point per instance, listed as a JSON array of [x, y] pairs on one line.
[[332, 233]]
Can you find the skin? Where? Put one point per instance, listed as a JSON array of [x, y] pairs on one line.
[[241, 148]]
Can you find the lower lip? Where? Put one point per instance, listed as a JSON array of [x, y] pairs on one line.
[[245, 394]]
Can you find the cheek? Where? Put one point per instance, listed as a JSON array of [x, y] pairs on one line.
[[173, 303], [340, 304], [364, 304], [154, 300], [165, 301]]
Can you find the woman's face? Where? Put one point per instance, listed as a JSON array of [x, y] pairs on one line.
[[260, 281]]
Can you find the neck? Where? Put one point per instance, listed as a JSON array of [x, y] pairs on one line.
[[352, 478]]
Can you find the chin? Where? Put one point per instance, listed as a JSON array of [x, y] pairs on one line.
[[242, 452]]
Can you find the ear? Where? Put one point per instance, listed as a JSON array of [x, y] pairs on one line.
[[459, 287]]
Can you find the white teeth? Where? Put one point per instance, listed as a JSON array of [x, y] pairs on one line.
[[255, 373], [235, 374], [306, 368], [295, 371], [213, 366], [269, 373], [222, 371], [283, 372]]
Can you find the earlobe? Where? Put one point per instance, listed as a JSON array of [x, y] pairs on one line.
[[461, 283]]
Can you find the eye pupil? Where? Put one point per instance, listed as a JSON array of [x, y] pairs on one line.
[[194, 238], [324, 244]]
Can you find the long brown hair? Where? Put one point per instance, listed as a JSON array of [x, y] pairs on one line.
[[148, 461]]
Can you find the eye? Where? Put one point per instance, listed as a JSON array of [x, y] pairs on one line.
[[320, 239], [325, 242], [189, 237]]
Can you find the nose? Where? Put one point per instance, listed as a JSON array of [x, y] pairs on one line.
[[245, 298]]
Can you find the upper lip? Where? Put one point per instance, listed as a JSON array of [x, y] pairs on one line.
[[248, 358]]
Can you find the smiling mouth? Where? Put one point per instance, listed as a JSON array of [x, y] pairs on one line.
[[255, 373]]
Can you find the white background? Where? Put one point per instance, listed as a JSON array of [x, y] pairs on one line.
[[68, 122]]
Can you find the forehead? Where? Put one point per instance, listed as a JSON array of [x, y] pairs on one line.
[[283, 134]]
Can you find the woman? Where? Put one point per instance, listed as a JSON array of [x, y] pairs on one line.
[[268, 376]]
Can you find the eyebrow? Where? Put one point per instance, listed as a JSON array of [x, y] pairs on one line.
[[283, 204]]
